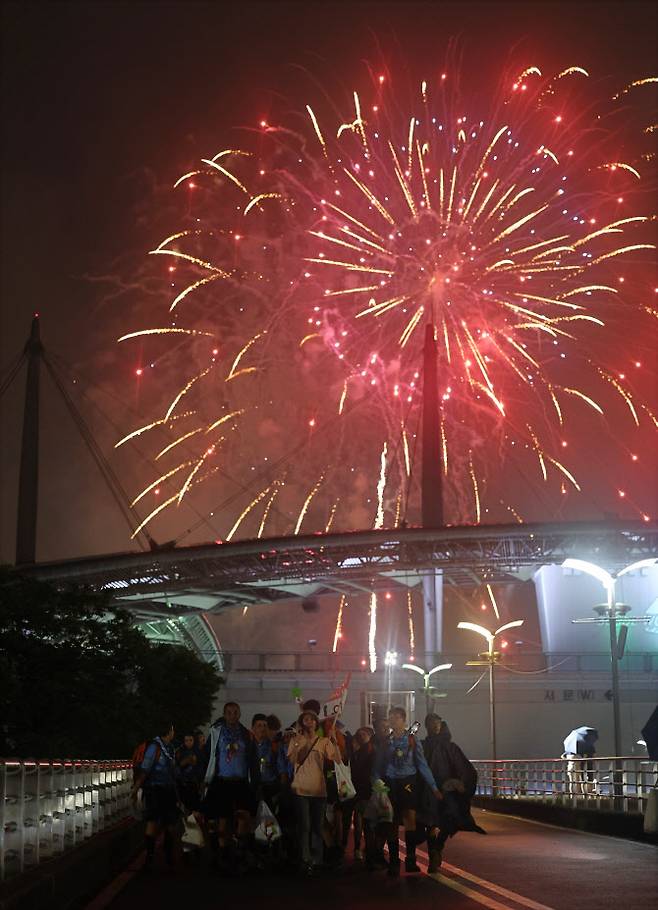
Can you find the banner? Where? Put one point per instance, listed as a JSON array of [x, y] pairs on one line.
[[333, 707]]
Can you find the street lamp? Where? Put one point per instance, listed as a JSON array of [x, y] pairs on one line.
[[489, 658], [609, 614], [426, 674]]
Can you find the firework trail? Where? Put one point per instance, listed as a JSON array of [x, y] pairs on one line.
[[519, 229]]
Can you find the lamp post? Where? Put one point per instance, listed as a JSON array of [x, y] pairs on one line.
[[489, 658], [610, 614], [427, 674]]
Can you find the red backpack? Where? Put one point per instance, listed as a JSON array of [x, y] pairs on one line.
[[138, 756]]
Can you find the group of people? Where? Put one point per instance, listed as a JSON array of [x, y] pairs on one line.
[[222, 781]]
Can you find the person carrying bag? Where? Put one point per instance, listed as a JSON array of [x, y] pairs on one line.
[[307, 752]]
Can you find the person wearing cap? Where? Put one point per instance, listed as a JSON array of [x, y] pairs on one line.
[[307, 752]]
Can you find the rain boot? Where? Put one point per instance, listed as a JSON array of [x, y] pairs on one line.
[[169, 849], [393, 856], [149, 843], [435, 852], [410, 864]]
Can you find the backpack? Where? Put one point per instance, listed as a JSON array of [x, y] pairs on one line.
[[138, 756]]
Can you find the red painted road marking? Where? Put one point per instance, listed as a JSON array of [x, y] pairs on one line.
[[110, 891]]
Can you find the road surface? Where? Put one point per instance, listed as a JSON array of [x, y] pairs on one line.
[[519, 865]]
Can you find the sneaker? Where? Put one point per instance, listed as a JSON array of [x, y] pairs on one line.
[[358, 856], [394, 869], [410, 865]]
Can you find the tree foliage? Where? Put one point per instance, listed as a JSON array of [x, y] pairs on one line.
[[78, 680]]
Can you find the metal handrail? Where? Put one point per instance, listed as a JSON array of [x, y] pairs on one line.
[[50, 807], [609, 784], [312, 660]]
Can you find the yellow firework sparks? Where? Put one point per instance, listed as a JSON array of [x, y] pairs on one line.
[[223, 419], [584, 397], [166, 331], [245, 512], [186, 388], [635, 84], [343, 396], [379, 520], [410, 618], [623, 249], [186, 177], [307, 503], [405, 449], [160, 480], [176, 442], [476, 490], [258, 199], [339, 622], [222, 170], [152, 515], [192, 287], [261, 528], [398, 509], [566, 473], [619, 165], [149, 426], [197, 467], [242, 352], [332, 515], [193, 259], [372, 632]]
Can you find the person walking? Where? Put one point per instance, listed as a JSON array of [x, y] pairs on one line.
[[229, 801], [457, 779], [156, 777], [399, 759], [307, 752], [264, 773], [188, 761], [361, 766]]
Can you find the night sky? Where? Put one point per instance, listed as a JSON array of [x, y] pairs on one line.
[[106, 104]]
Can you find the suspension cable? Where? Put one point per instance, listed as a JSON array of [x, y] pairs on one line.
[[113, 483]]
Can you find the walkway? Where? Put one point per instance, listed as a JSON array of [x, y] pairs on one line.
[[520, 865]]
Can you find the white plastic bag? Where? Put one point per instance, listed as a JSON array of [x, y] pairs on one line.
[[267, 827], [192, 835], [346, 789], [379, 808], [137, 806]]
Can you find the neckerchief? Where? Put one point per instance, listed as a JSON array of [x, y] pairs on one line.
[[233, 744], [399, 754], [165, 749]]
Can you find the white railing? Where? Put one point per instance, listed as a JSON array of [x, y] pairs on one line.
[[48, 807], [607, 784]]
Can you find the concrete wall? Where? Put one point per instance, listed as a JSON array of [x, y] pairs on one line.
[[535, 711], [533, 716]]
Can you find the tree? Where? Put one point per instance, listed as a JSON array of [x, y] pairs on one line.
[[78, 680]]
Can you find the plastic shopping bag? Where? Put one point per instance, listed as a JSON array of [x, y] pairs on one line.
[[379, 808], [267, 827], [346, 789], [137, 806], [192, 834]]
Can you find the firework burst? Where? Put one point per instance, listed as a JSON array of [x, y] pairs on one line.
[[315, 264]]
